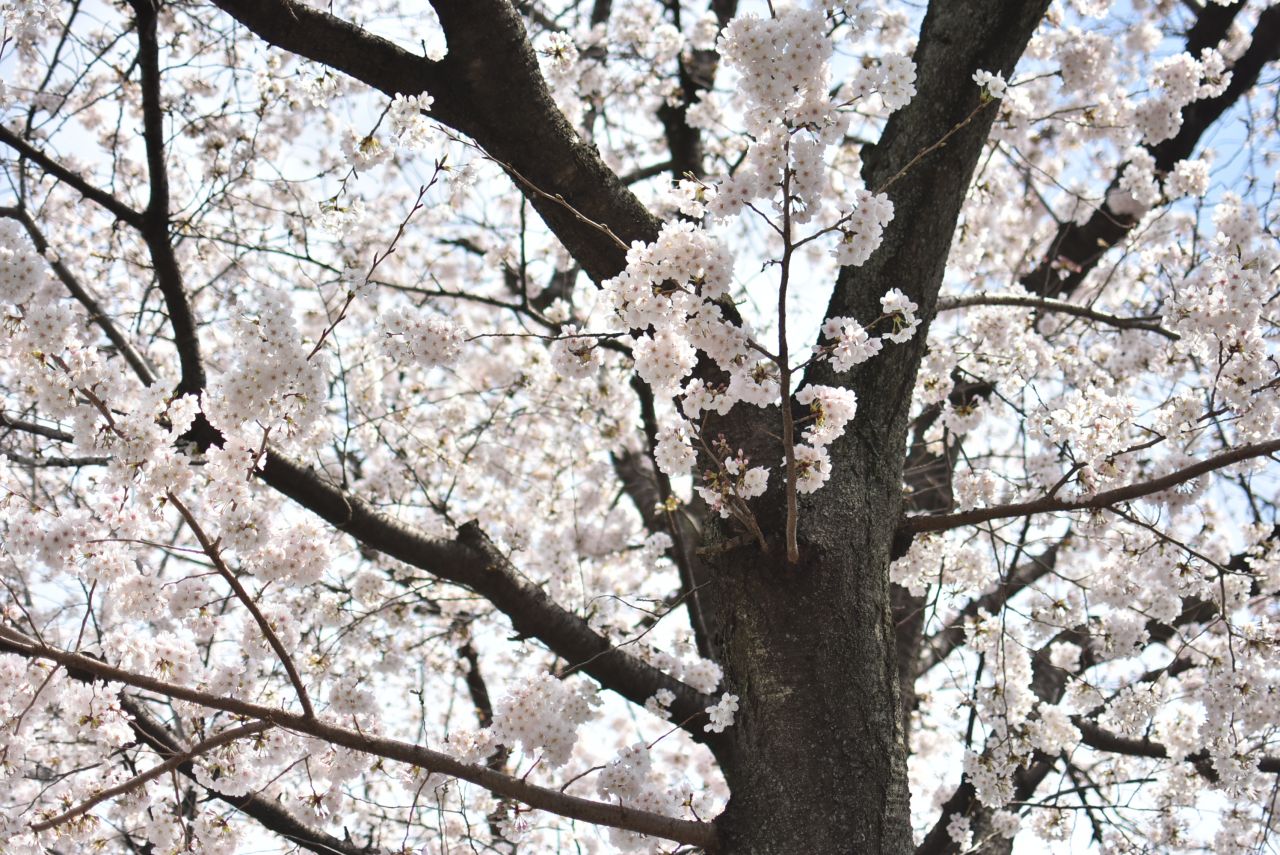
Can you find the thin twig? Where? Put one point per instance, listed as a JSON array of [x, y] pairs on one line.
[[937, 145], [378, 259]]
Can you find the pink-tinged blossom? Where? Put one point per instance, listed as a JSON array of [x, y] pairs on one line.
[[721, 714], [543, 715], [416, 336], [813, 467], [575, 356], [830, 408], [664, 359], [850, 344]]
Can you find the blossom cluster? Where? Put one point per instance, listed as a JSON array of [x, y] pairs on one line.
[[271, 381], [421, 337], [721, 714], [671, 290], [630, 780], [411, 129], [542, 714]]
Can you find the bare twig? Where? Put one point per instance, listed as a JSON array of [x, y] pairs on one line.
[[942, 141], [377, 259]]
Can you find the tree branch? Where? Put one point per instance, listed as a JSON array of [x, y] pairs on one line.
[[1076, 249], [211, 549], [1046, 304], [224, 738], [489, 88], [956, 38], [97, 314], [110, 203], [1104, 740], [264, 811], [541, 798], [155, 219], [474, 563], [1049, 504], [35, 429]]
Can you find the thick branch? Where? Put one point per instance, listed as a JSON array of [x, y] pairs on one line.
[[929, 182], [964, 801], [696, 75], [35, 429], [489, 88], [155, 220], [263, 810], [54, 462], [1104, 740], [110, 203], [472, 562], [224, 738], [1049, 504]]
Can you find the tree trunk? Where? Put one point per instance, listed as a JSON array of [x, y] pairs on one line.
[[812, 661], [816, 761]]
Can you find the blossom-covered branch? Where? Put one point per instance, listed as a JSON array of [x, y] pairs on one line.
[[489, 88], [211, 550], [1045, 304], [169, 765], [473, 562], [614, 815], [77, 182], [1103, 740], [99, 315], [264, 810], [1077, 248]]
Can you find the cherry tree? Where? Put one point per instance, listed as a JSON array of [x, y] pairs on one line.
[[639, 425]]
